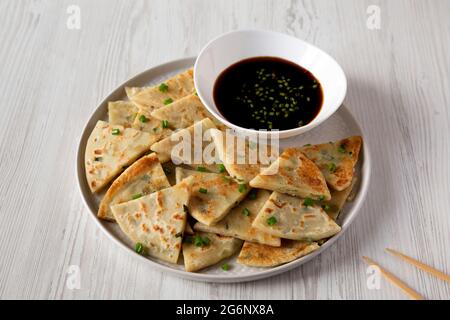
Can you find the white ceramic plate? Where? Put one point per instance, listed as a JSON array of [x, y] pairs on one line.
[[340, 125]]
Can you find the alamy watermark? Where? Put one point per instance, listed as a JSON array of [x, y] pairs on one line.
[[73, 281], [373, 21], [374, 277], [213, 146], [73, 21]]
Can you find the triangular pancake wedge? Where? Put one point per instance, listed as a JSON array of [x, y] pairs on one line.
[[157, 221], [238, 222], [109, 149], [294, 174], [334, 206], [259, 255], [122, 113], [290, 218], [240, 156], [336, 160], [206, 249], [213, 195], [184, 113], [151, 98], [178, 139], [143, 177]]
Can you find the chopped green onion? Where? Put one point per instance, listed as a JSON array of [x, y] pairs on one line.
[[321, 198], [136, 196], [331, 167], [168, 101], [165, 124], [163, 87], [203, 190], [246, 212], [206, 241], [252, 194], [201, 242], [143, 119], [242, 188], [307, 145], [308, 202], [225, 267], [326, 207], [271, 221], [139, 248], [221, 167], [202, 169], [115, 132], [341, 149]]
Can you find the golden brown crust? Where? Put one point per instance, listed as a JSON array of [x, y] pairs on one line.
[[296, 175], [219, 248], [336, 160], [144, 165], [238, 222], [259, 255], [220, 194]]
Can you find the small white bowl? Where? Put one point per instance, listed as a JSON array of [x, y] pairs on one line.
[[235, 46]]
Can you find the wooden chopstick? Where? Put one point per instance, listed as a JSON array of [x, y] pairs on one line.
[[420, 265], [395, 281]]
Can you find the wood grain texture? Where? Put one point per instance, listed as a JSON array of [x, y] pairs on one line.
[[52, 78]]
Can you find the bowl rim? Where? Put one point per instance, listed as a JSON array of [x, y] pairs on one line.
[[282, 133], [202, 277]]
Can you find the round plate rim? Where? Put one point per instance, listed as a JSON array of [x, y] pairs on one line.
[[260, 274]]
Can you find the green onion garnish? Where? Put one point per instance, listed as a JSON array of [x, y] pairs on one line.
[[165, 124], [252, 194], [202, 169], [115, 132], [242, 188], [341, 149], [203, 190], [331, 167], [139, 248], [326, 207], [225, 267], [246, 212], [168, 101], [143, 119], [163, 87], [201, 242], [221, 167], [308, 202], [136, 196], [271, 221]]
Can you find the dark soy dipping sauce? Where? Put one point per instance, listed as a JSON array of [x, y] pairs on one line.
[[268, 93]]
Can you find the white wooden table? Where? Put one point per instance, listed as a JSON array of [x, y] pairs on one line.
[[52, 77]]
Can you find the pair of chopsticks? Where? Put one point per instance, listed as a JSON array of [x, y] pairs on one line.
[[400, 284]]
